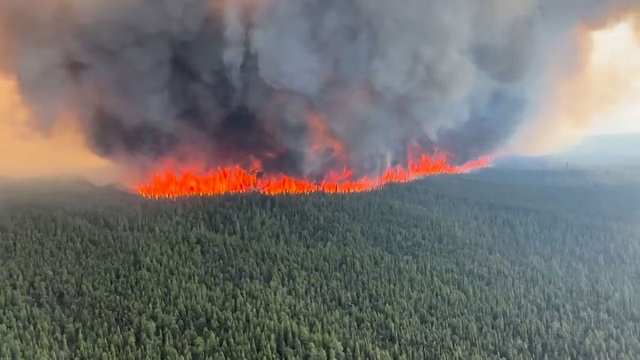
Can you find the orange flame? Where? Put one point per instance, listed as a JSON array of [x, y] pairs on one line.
[[233, 180], [323, 137]]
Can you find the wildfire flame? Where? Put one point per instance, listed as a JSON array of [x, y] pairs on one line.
[[169, 183]]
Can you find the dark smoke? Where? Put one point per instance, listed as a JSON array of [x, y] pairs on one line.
[[235, 79]]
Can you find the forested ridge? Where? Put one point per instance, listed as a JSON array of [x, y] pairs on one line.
[[502, 264]]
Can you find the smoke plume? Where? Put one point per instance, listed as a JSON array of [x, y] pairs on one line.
[[295, 84]]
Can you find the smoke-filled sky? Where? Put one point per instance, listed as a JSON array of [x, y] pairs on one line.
[[305, 85], [616, 56], [26, 152], [600, 96]]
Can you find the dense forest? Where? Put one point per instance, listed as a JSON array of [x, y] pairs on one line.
[[503, 264]]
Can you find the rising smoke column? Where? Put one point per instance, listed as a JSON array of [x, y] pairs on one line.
[[240, 80]]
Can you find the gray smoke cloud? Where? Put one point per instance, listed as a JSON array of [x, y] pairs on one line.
[[233, 78]]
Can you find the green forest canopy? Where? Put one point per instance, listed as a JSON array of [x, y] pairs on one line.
[[502, 264]]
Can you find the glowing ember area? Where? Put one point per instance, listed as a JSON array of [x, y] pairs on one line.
[[233, 180]]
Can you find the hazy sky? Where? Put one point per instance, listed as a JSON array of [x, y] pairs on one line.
[[617, 55], [599, 95], [28, 153]]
